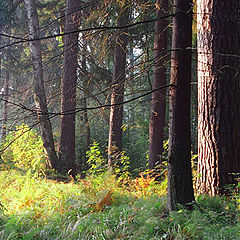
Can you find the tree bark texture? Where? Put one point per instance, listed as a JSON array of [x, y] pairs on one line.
[[158, 104], [218, 94], [117, 96], [180, 187], [67, 155], [39, 92]]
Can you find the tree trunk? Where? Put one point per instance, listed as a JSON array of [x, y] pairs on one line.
[[180, 187], [87, 125], [5, 102], [85, 113], [5, 95], [1, 86], [67, 155], [39, 92], [117, 96], [158, 105], [218, 94], [0, 66]]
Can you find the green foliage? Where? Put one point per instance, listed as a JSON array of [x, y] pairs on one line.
[[136, 144], [7, 10], [121, 165], [60, 39], [96, 161], [24, 151], [98, 164], [45, 209]]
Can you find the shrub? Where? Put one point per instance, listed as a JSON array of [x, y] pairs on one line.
[[24, 151], [98, 164]]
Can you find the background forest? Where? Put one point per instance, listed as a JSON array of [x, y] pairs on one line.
[[119, 119]]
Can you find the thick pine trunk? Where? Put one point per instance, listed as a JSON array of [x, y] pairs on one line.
[[117, 96], [218, 94], [67, 155], [39, 92], [158, 105], [180, 187]]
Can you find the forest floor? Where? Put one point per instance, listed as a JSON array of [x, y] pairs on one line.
[[100, 207]]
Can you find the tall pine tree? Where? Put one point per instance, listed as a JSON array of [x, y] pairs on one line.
[[218, 94], [180, 187]]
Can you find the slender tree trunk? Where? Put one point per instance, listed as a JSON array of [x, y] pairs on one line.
[[85, 113], [6, 97], [1, 86], [117, 96], [158, 105], [87, 125], [39, 92], [218, 94], [180, 187], [1, 101], [0, 67], [67, 155], [5, 94]]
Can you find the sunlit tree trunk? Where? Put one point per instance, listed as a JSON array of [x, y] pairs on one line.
[[85, 112], [158, 105], [218, 94], [117, 96], [180, 187], [67, 155], [39, 92]]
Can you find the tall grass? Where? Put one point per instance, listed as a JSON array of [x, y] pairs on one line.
[[100, 207]]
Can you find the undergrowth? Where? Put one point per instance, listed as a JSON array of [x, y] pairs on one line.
[[107, 204], [100, 207]]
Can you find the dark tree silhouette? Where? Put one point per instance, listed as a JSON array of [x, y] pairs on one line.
[[180, 187], [67, 155]]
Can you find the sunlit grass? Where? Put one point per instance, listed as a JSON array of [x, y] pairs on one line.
[[101, 207]]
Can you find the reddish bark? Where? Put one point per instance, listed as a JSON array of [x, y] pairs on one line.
[[117, 96], [158, 105], [218, 94], [67, 155]]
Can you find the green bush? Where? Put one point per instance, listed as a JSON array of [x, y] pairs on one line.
[[98, 164], [23, 150]]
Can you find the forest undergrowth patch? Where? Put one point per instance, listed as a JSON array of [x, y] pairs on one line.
[[101, 207]]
